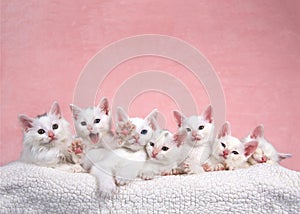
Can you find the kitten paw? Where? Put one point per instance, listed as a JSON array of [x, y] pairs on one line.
[[107, 191], [147, 175], [219, 167], [121, 181]]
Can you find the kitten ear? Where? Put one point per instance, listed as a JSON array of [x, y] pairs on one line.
[[282, 156], [208, 114], [179, 117], [75, 110], [103, 105], [121, 114], [151, 119], [180, 137], [26, 122], [225, 130], [257, 132], [250, 148], [55, 109]]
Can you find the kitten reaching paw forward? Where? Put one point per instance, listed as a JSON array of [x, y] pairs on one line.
[[163, 151], [265, 152], [197, 146], [229, 152], [93, 124], [46, 139], [122, 165]]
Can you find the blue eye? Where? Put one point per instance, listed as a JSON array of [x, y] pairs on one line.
[[223, 144], [83, 123], [144, 131], [201, 127], [188, 129], [151, 144], [235, 152]]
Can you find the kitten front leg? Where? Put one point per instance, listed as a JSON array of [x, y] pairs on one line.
[[126, 174], [105, 181], [192, 167], [213, 165]]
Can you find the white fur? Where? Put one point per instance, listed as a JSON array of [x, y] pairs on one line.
[[88, 128], [159, 159], [50, 148], [197, 147], [229, 152], [265, 152], [122, 165]]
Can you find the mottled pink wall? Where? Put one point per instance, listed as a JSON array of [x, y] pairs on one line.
[[253, 45]]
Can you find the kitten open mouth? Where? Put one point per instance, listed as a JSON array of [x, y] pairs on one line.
[[94, 138]]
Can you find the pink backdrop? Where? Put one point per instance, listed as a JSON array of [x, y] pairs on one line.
[[254, 46]]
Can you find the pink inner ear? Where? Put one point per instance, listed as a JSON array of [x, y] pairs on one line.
[[75, 111], [179, 137], [208, 114], [257, 132], [178, 117], [26, 122], [225, 130], [104, 106], [55, 109], [250, 148]]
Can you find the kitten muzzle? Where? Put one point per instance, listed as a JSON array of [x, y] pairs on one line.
[[94, 137]]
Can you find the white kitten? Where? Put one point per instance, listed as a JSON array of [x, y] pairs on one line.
[[93, 127], [122, 165], [163, 152], [265, 152], [46, 139], [197, 146], [92, 124], [229, 152]]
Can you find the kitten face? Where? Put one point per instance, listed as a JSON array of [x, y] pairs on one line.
[[163, 146], [47, 129], [199, 128], [265, 151], [91, 123], [230, 150], [135, 133]]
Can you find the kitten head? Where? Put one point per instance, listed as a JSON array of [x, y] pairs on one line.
[[199, 128], [135, 133], [91, 123], [47, 129], [230, 150], [164, 145], [265, 150]]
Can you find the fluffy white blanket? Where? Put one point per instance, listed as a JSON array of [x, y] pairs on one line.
[[259, 189]]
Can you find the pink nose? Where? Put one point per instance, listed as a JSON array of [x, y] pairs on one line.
[[154, 154], [264, 159], [51, 134], [225, 152], [194, 133], [90, 128]]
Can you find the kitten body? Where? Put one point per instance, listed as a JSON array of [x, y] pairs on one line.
[[265, 152], [121, 165], [163, 153], [229, 152], [197, 146], [46, 138]]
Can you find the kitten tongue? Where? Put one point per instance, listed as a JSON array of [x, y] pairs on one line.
[[94, 138]]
